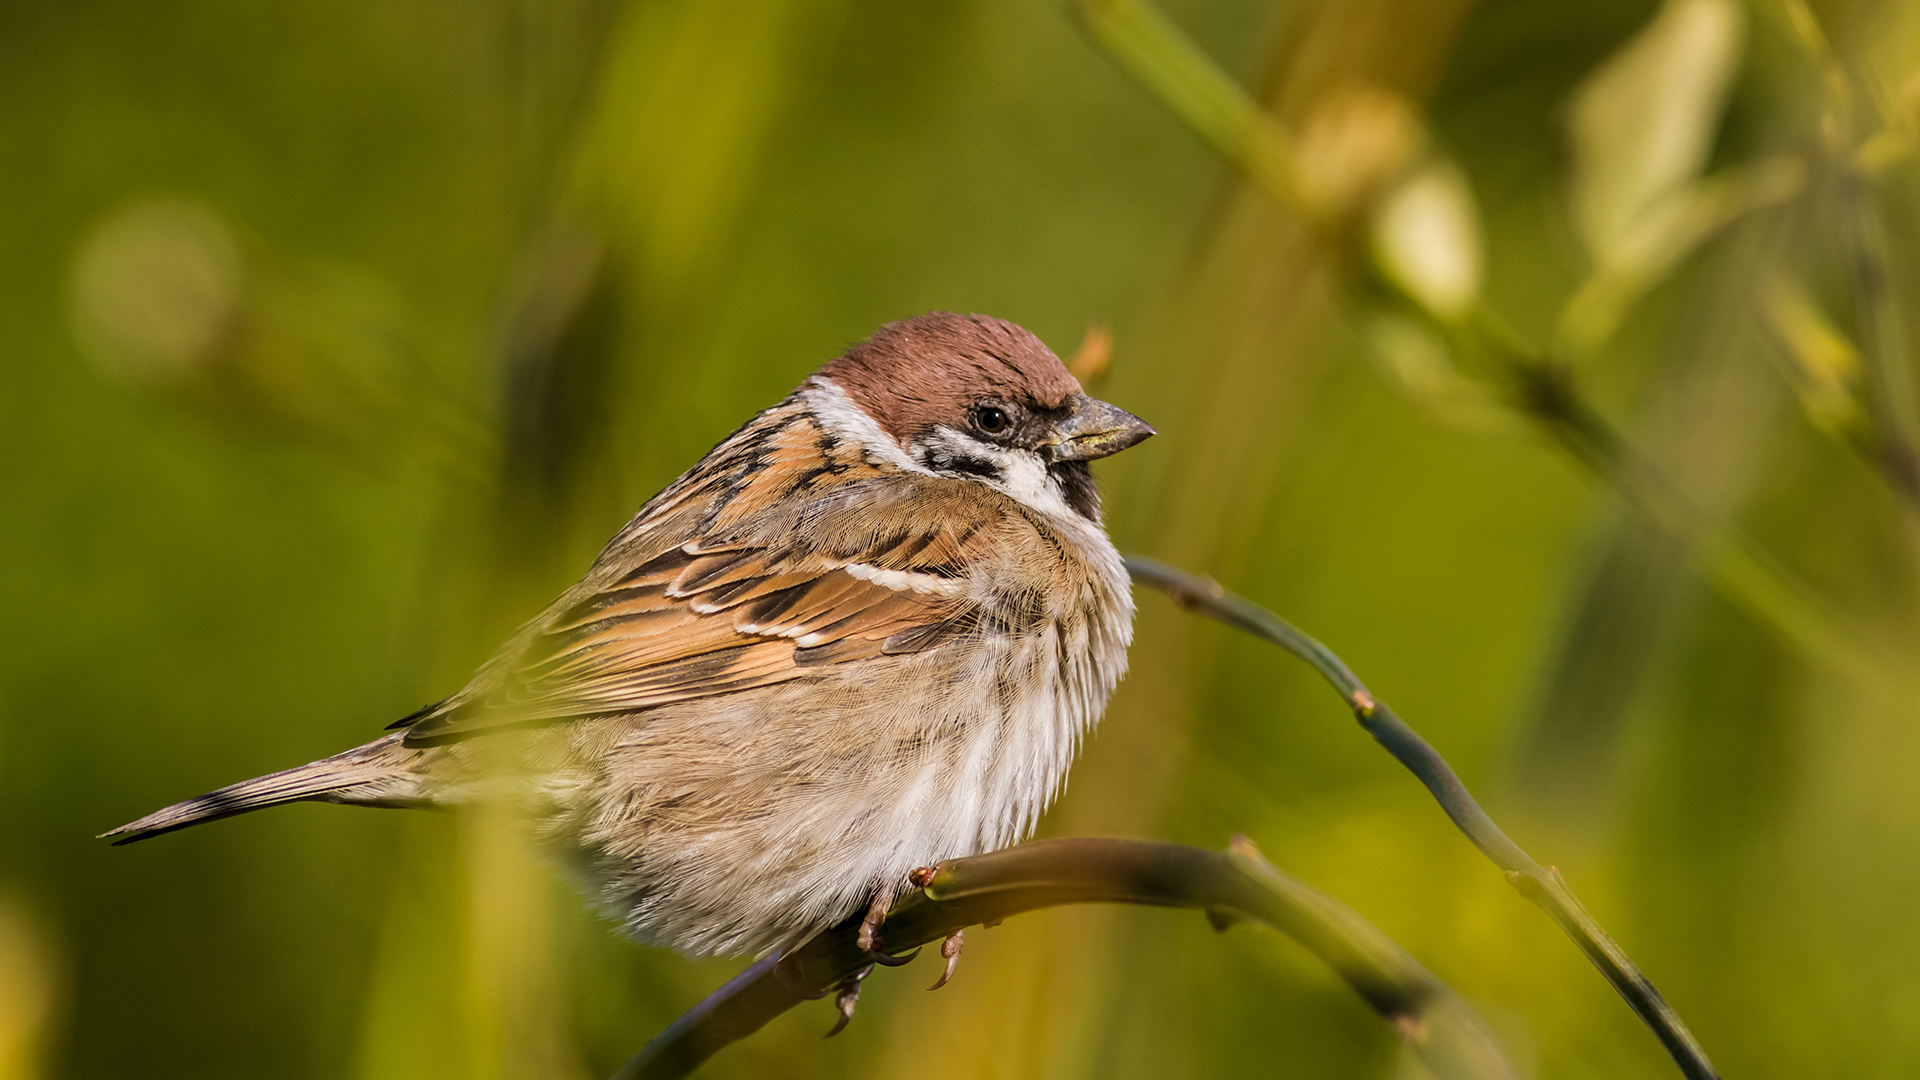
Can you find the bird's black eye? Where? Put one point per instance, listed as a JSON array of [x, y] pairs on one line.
[[992, 419]]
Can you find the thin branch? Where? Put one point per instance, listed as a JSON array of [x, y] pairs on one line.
[[1542, 885], [1231, 886]]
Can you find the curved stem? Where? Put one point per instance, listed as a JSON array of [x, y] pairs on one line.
[[1542, 885], [1230, 886]]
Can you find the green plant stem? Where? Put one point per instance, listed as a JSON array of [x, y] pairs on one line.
[[1154, 51], [1542, 885], [1230, 886]]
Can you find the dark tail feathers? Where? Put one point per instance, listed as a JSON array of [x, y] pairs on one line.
[[376, 774]]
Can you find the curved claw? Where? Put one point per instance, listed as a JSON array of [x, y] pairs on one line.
[[840, 1025], [846, 999], [950, 949], [869, 937], [884, 960]]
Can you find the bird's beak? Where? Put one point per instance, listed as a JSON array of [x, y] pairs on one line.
[[1095, 430]]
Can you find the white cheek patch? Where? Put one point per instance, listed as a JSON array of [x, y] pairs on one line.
[[1028, 480], [1018, 473]]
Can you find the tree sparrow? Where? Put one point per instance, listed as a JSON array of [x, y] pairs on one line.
[[864, 634]]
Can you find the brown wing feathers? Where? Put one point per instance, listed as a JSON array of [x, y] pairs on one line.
[[698, 621], [773, 586]]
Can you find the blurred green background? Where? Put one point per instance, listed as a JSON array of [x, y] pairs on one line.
[[336, 337]]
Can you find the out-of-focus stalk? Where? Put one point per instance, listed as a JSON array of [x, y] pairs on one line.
[[1154, 50]]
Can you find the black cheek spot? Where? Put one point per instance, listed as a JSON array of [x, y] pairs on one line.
[[984, 469], [952, 464]]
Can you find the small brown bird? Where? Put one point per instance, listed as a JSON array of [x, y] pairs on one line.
[[864, 634]]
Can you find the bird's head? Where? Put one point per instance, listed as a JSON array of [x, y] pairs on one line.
[[981, 399]]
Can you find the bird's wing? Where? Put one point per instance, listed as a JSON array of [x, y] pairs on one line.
[[712, 616]]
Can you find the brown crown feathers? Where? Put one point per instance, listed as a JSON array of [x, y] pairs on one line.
[[918, 373]]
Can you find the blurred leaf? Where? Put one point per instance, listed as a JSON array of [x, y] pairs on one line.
[[1891, 79], [1665, 234], [1823, 364], [1426, 237], [1644, 125]]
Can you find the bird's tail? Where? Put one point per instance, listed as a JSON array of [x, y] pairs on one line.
[[377, 774]]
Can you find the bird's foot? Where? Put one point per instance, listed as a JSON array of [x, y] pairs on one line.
[[845, 997], [950, 951], [869, 936]]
